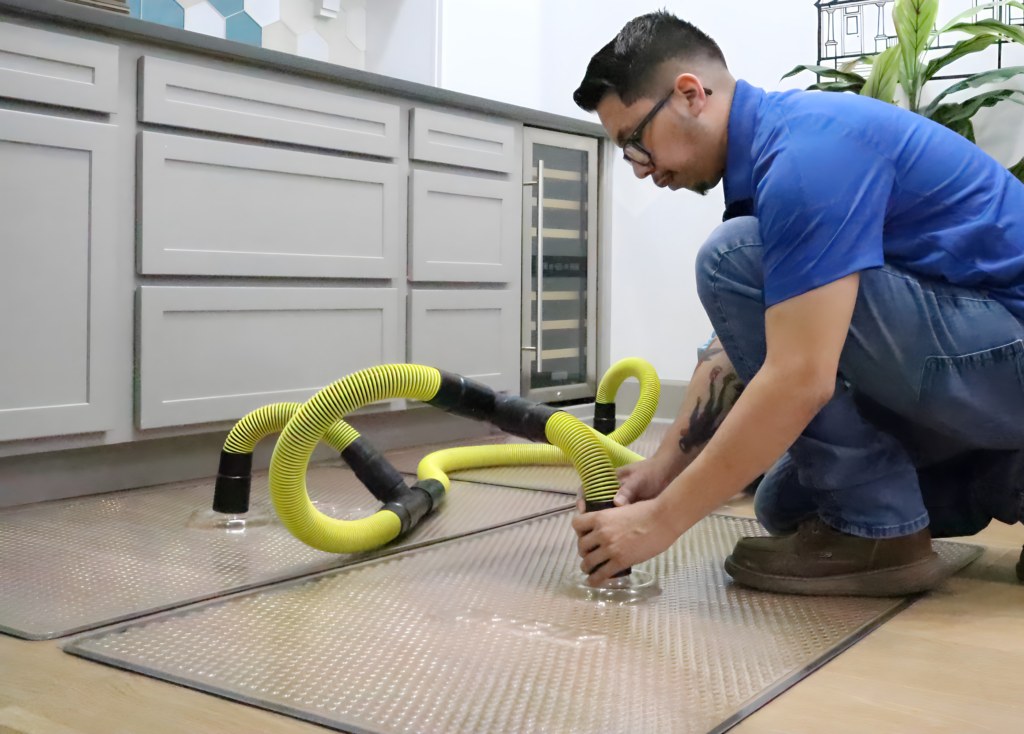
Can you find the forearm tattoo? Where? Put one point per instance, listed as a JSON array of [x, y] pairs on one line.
[[707, 417]]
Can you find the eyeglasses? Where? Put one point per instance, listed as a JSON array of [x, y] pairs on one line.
[[632, 150]]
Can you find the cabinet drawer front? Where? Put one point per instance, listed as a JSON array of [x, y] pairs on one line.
[[57, 305], [464, 229], [214, 354], [214, 208], [461, 141], [53, 68], [205, 99], [470, 333]]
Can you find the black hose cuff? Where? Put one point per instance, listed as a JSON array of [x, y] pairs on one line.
[[471, 399], [414, 503], [234, 478], [604, 417], [597, 507], [373, 470]]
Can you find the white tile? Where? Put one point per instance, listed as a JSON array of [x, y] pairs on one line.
[[313, 46], [203, 18], [264, 12], [298, 15], [279, 37]]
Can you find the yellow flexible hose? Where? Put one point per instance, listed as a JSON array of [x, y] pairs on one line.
[[272, 419], [440, 463], [646, 405], [311, 423], [261, 422], [302, 426]]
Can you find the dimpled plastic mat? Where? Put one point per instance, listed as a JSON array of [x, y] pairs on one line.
[[479, 636], [547, 478], [70, 565]]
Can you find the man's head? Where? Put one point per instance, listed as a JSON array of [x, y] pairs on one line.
[[663, 92]]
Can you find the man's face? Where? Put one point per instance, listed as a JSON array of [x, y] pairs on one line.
[[682, 150]]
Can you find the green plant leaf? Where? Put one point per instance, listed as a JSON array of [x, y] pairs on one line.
[[885, 74], [839, 86], [1018, 170], [1013, 32], [948, 114], [914, 21], [971, 12], [851, 65], [961, 49], [827, 71], [973, 82], [964, 127]]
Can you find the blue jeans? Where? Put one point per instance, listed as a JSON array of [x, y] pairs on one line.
[[929, 392]]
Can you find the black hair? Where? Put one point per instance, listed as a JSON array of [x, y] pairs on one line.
[[627, 65]]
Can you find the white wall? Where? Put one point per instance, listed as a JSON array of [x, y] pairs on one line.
[[403, 40], [534, 53]]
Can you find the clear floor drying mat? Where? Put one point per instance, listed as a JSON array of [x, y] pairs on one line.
[[479, 636], [562, 479], [71, 565]]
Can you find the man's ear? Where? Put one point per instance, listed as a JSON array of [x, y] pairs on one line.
[[689, 94]]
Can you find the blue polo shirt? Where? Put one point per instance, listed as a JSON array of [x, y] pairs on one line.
[[842, 183]]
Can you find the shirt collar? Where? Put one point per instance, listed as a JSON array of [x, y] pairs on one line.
[[744, 118]]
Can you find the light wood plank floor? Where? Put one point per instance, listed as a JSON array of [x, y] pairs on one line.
[[953, 662]]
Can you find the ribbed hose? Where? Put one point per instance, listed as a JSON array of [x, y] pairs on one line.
[[591, 461], [312, 422], [440, 463], [646, 405], [261, 422]]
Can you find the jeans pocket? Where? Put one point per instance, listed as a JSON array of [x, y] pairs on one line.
[[978, 397]]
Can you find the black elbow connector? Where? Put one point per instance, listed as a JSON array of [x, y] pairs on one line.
[[414, 503], [373, 470], [604, 417], [234, 479]]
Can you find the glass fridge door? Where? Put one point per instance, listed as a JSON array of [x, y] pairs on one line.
[[559, 266]]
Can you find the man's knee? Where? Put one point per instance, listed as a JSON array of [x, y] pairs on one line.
[[725, 254]]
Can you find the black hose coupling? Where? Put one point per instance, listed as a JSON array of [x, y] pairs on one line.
[[604, 417], [468, 398], [373, 470], [234, 478], [412, 504], [590, 506]]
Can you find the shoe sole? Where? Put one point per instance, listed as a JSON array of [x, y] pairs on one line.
[[912, 578]]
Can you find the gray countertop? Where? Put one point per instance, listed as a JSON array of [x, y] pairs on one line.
[[74, 16]]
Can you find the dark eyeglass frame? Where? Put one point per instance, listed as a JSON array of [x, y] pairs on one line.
[[632, 149]]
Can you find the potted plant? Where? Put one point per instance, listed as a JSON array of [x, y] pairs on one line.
[[905, 64]]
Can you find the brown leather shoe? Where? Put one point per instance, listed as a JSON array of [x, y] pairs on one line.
[[819, 559]]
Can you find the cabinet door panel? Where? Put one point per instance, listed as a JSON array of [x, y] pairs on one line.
[[195, 97], [470, 333], [54, 68], [215, 208], [462, 141], [214, 354], [56, 267], [464, 229]]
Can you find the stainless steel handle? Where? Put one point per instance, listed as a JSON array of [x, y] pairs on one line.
[[540, 266]]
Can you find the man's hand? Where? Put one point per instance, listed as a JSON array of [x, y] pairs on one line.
[[643, 480], [615, 539]]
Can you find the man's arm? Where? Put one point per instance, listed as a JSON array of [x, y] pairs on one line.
[[805, 336], [712, 392]]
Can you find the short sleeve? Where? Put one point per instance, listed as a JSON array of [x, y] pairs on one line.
[[821, 208]]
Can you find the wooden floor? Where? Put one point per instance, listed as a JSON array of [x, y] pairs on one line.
[[953, 662]]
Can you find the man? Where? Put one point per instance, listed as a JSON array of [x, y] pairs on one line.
[[872, 307]]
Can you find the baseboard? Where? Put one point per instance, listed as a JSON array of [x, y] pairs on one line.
[[97, 469]]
